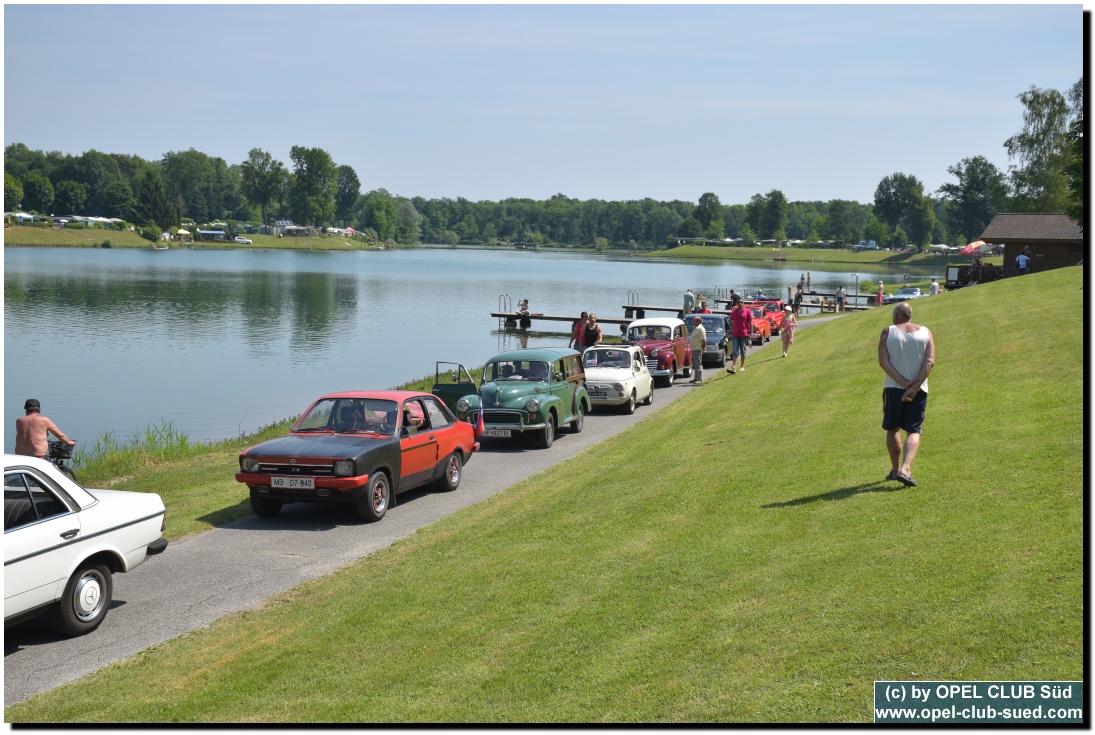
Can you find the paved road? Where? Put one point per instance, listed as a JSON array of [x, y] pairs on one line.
[[202, 578]]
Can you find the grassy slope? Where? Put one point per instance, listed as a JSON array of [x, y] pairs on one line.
[[737, 558], [816, 255]]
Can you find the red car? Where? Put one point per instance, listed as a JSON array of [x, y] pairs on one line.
[[774, 312], [664, 341], [360, 448], [761, 330]]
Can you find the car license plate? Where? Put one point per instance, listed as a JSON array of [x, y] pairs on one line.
[[597, 394], [506, 433], [293, 483]]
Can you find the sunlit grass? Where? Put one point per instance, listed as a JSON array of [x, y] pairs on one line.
[[735, 558]]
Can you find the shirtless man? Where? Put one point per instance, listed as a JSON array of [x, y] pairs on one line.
[[31, 431]]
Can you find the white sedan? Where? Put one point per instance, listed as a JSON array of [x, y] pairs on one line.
[[243, 241], [62, 543], [617, 375], [905, 293]]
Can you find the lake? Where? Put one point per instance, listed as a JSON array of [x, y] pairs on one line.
[[224, 342]]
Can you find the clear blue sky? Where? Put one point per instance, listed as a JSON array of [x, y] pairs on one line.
[[494, 101]]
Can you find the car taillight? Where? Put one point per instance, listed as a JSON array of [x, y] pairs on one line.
[[163, 523]]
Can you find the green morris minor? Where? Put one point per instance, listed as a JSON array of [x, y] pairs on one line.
[[523, 392]]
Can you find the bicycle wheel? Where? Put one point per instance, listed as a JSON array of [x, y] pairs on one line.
[[67, 470]]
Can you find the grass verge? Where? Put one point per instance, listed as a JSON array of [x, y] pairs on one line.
[[738, 559], [817, 255]]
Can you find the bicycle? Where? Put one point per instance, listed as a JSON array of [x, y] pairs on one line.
[[58, 453]]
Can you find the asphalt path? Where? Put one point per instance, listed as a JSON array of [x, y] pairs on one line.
[[236, 567]]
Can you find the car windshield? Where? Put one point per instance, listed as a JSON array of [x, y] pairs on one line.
[[607, 358], [648, 332], [711, 324], [757, 313], [350, 416], [516, 370]]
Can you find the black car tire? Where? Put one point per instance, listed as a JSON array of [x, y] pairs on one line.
[[546, 436], [85, 601], [265, 507], [374, 502], [629, 407], [649, 400], [686, 371], [579, 421], [450, 478]]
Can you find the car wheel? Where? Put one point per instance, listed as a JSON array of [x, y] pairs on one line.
[[579, 421], [373, 503], [547, 435], [629, 407], [85, 601], [686, 371], [265, 507], [450, 480]]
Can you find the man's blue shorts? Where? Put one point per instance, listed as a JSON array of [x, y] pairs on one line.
[[740, 345], [897, 414]]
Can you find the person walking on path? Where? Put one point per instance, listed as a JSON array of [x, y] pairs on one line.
[[689, 301], [741, 319], [906, 353], [578, 333], [698, 342], [787, 328], [841, 295], [31, 431], [881, 293], [593, 333], [798, 300]]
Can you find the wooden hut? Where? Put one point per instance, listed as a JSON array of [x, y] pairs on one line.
[[1055, 240]]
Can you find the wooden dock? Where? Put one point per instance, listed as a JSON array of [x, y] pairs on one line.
[[525, 320]]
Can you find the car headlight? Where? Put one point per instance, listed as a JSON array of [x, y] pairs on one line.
[[249, 465], [344, 468], [617, 386], [463, 405], [654, 353], [532, 406]]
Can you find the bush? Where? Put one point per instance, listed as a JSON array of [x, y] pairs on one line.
[[152, 234]]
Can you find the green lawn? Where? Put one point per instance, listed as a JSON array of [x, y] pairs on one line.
[[735, 558], [817, 255], [21, 236]]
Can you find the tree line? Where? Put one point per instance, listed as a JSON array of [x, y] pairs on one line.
[[1047, 175]]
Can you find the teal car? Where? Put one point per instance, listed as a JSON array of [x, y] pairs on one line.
[[524, 392]]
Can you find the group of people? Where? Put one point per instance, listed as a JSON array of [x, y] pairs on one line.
[[585, 332]]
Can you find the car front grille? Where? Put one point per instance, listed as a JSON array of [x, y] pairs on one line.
[[310, 470], [496, 417], [652, 363]]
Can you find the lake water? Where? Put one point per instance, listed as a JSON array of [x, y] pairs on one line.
[[223, 342]]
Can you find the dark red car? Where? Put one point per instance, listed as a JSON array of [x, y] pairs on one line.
[[361, 448]]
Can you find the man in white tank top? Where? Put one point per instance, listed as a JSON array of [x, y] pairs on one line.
[[906, 353]]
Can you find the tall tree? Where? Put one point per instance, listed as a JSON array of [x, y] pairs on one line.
[[840, 226], [260, 176], [13, 192], [773, 217], [349, 189], [978, 194], [709, 214], [1075, 172], [1038, 179], [754, 212], [190, 174], [894, 196], [312, 194], [37, 192], [921, 219], [153, 206], [116, 200], [69, 197]]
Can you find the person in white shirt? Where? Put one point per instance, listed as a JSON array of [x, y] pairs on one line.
[[906, 353], [698, 342], [934, 288]]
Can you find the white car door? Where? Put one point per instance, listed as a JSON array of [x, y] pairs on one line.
[[41, 535], [643, 379]]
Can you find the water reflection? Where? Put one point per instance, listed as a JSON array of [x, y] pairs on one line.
[[219, 342]]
